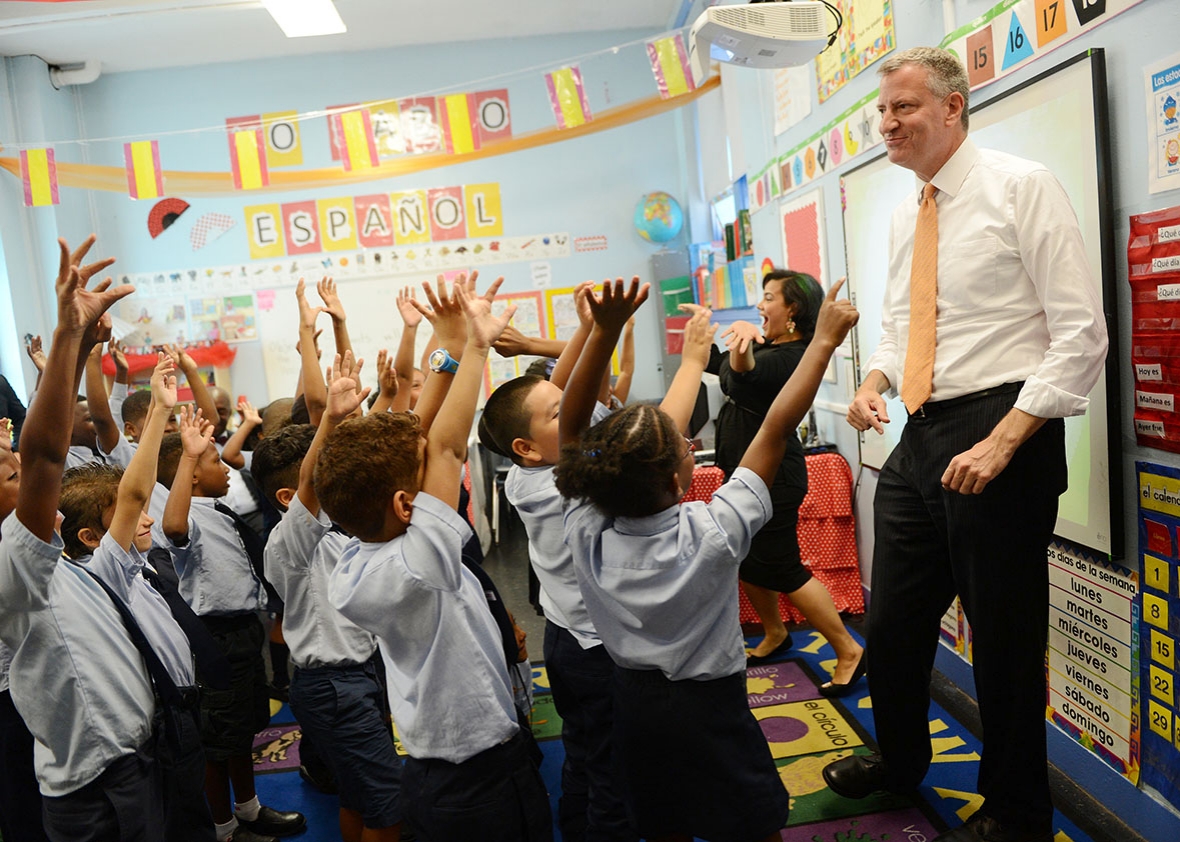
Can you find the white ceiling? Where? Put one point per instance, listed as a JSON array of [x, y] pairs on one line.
[[144, 34]]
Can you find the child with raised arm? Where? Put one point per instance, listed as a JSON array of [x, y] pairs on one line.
[[469, 774], [519, 421], [336, 693], [76, 678], [105, 528], [219, 561], [659, 581]]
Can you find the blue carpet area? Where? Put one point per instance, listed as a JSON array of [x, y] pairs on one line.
[[804, 730]]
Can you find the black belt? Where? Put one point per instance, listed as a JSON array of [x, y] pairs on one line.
[[931, 409]]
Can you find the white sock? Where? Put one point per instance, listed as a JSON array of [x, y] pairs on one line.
[[248, 811], [225, 831]]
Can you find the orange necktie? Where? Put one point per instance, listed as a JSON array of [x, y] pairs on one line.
[[918, 378]]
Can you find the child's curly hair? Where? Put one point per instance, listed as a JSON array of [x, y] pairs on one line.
[[624, 464]]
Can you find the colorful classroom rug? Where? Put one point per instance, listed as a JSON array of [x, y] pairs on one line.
[[805, 732]]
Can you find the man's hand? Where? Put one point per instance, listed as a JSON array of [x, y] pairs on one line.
[[970, 472], [344, 392], [326, 289], [868, 410], [196, 433], [35, 352], [164, 384]]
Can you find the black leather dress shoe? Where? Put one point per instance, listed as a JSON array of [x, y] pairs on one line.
[[858, 776], [986, 829], [242, 834], [273, 823]]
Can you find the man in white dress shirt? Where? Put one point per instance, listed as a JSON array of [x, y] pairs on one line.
[[967, 501]]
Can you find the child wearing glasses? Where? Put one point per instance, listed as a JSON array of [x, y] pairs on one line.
[[659, 582]]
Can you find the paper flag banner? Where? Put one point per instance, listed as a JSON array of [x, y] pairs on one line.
[[568, 97], [493, 121], [145, 179], [669, 63], [358, 150], [38, 173], [283, 147], [420, 124], [458, 126], [386, 119], [247, 153], [208, 228]]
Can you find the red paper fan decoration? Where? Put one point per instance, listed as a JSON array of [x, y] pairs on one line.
[[163, 214]]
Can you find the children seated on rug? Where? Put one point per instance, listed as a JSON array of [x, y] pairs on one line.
[[653, 575], [104, 527], [519, 421], [76, 678], [469, 774], [219, 561], [336, 692]]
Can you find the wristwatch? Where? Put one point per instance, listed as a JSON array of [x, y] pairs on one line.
[[440, 360]]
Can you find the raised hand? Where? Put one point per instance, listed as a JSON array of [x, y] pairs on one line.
[[79, 308], [196, 433], [386, 375], [836, 317], [489, 294], [315, 340], [344, 391], [445, 313], [582, 293], [35, 352], [698, 337], [164, 383], [119, 356], [740, 334], [406, 299], [180, 358], [326, 289], [6, 434], [512, 343], [307, 313], [616, 303], [483, 327], [248, 413]]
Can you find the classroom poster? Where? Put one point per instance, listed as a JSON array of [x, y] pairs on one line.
[[1162, 81], [804, 235], [1159, 536], [205, 319], [865, 36], [237, 318], [792, 96]]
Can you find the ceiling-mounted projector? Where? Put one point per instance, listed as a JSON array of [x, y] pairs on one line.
[[759, 35]]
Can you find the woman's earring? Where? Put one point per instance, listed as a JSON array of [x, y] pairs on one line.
[[790, 325]]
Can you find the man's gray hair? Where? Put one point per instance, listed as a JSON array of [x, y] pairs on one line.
[[945, 73]]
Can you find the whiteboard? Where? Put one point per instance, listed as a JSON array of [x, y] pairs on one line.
[[1058, 119], [373, 323]]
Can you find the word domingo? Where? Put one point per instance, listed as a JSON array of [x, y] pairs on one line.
[[385, 219]]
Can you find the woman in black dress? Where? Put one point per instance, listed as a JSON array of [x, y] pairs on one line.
[[751, 374]]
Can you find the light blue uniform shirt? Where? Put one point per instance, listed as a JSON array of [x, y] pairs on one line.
[[5, 663], [448, 681], [216, 576], [76, 678], [534, 494], [662, 589], [301, 554], [122, 570], [120, 454]]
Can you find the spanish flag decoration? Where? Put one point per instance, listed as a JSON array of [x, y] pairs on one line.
[[145, 179], [358, 148], [567, 96], [669, 63], [458, 112], [247, 154], [38, 173]]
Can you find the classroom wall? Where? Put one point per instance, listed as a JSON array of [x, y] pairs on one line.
[[1140, 36], [585, 186]]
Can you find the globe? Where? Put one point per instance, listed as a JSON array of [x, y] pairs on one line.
[[658, 217]]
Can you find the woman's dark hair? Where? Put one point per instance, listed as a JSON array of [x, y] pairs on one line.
[[624, 464], [804, 292]]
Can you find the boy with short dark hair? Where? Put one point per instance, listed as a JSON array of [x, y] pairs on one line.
[[336, 692], [469, 774], [219, 562]]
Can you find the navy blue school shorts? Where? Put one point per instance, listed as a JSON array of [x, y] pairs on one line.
[[230, 718], [343, 709], [694, 759]]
